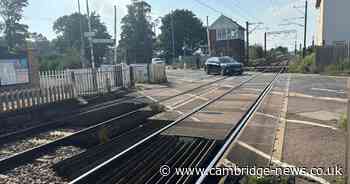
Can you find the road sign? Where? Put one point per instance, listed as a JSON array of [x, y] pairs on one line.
[[89, 34], [103, 40]]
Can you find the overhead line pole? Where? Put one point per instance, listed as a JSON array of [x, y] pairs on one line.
[[90, 38], [305, 28], [265, 44], [247, 32], [115, 34], [94, 76], [208, 37]]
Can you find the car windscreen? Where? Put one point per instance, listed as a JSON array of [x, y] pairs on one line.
[[227, 60]]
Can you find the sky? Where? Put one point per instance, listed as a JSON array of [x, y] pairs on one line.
[[41, 14]]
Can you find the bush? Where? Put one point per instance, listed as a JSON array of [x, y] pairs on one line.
[[69, 60], [340, 67], [306, 65], [158, 108]]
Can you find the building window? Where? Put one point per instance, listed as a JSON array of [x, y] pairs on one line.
[[227, 34]]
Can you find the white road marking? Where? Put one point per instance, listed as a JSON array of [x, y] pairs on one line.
[[282, 164], [193, 99], [342, 100], [278, 145], [311, 123], [193, 118], [329, 90], [299, 121]]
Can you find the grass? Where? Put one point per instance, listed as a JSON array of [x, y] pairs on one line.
[[103, 135], [158, 108], [341, 67], [306, 65], [339, 180], [265, 180], [343, 122]]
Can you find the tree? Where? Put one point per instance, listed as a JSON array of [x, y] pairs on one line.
[[188, 30], [279, 51], [256, 52], [69, 35], [136, 43], [11, 12]]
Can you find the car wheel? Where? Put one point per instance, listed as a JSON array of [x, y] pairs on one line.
[[207, 71], [223, 72]]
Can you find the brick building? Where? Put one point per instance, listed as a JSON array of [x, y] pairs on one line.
[[227, 39]]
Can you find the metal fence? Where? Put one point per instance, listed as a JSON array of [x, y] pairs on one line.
[[327, 55], [149, 73]]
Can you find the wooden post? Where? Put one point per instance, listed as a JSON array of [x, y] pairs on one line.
[[74, 89]]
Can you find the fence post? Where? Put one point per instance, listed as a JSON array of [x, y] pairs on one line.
[[94, 80], [74, 90], [132, 77], [108, 84], [149, 73]]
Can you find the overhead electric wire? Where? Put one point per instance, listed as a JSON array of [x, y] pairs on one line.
[[210, 7]]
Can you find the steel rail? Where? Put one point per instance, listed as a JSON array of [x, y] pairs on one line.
[[88, 176], [238, 129], [30, 154], [11, 137]]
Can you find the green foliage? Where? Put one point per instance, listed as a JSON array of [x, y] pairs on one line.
[[343, 122], [256, 52], [265, 180], [69, 60], [12, 12], [188, 30], [339, 180], [136, 43], [103, 135], [69, 35], [306, 65], [157, 108], [340, 67], [278, 51]]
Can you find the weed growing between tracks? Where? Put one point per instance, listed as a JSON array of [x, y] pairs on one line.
[[158, 108], [103, 135], [265, 180], [343, 122]]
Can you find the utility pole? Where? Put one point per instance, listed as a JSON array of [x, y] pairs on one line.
[[90, 38], [82, 44], [295, 48], [173, 34], [305, 28], [247, 32], [115, 34], [208, 37], [347, 141], [265, 43]]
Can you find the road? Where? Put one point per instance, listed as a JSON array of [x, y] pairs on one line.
[[298, 124]]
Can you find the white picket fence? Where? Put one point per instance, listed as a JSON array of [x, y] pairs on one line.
[[153, 73], [12, 100], [56, 86]]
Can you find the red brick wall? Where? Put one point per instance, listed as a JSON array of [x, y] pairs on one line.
[[233, 48]]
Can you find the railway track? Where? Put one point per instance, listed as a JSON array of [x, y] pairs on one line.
[[114, 124], [140, 162]]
